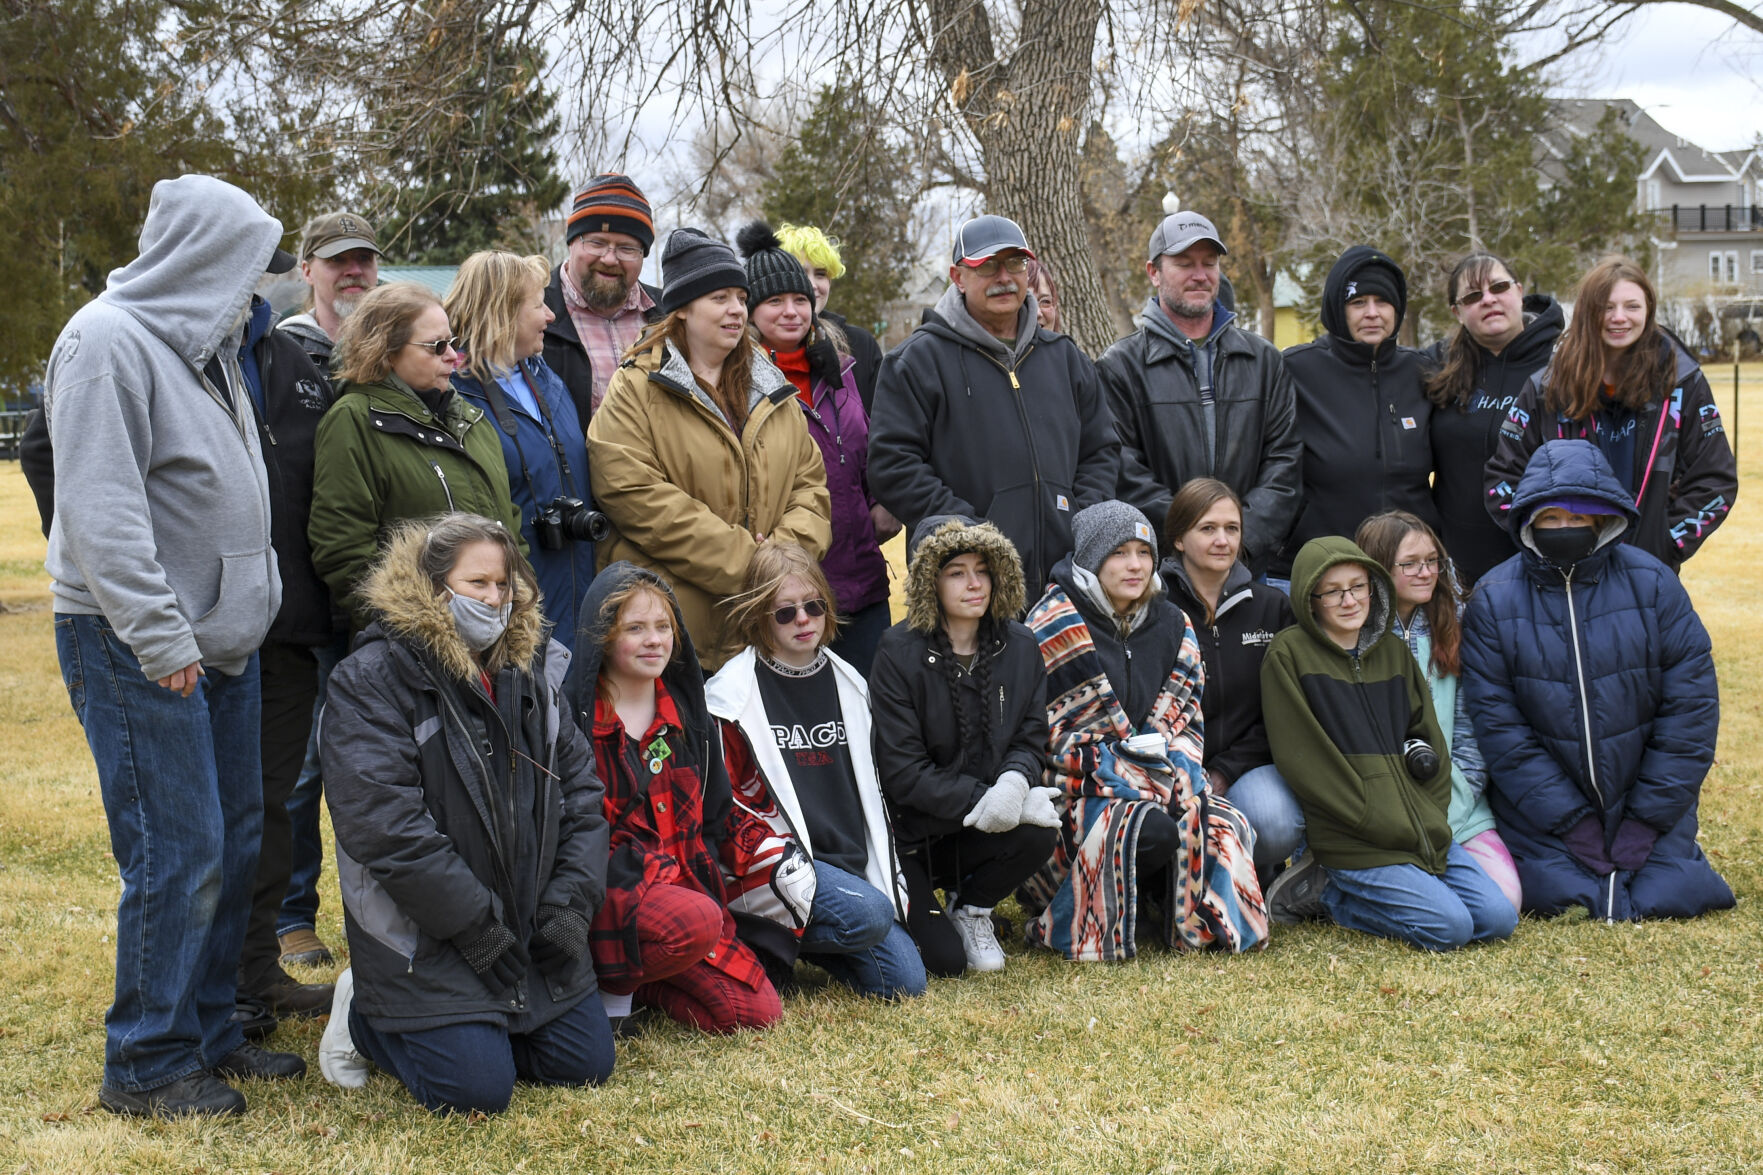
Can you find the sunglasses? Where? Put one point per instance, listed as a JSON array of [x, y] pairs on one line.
[[787, 614], [438, 347], [1494, 290]]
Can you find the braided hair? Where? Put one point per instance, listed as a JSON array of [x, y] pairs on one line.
[[974, 730]]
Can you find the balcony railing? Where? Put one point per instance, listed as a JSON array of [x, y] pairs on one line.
[[1713, 218]]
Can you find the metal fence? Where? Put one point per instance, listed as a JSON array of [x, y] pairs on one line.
[[1713, 218]]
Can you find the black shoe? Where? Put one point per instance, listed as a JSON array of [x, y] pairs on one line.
[[287, 996], [250, 1061], [1296, 895], [199, 1093], [252, 1016]]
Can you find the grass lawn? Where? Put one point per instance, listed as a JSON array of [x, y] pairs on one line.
[[1576, 1047]]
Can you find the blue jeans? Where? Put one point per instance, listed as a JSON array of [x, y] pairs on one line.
[[851, 933], [183, 793], [300, 907], [465, 1067], [1407, 902], [1265, 801]]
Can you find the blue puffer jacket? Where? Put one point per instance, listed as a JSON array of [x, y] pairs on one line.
[[1593, 693], [564, 575]]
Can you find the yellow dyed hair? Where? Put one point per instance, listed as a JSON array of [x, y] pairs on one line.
[[814, 246]]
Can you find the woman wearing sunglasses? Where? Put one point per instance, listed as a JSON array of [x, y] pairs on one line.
[[1503, 337], [1429, 608], [1621, 381], [812, 868], [398, 443]]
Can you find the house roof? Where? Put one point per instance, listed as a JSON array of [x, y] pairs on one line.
[[438, 279], [1677, 157]]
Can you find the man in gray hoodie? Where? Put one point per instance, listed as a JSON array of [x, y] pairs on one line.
[[164, 586], [982, 413]]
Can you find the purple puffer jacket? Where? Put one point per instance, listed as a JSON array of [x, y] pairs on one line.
[[854, 564]]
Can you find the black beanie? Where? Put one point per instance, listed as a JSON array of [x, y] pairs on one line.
[[1372, 278], [693, 265], [770, 270], [1359, 271]]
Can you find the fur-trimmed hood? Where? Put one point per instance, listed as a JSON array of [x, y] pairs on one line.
[[939, 539], [406, 608]]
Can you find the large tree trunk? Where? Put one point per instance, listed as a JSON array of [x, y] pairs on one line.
[[1028, 110]]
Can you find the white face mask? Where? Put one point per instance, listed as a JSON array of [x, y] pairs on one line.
[[479, 625]]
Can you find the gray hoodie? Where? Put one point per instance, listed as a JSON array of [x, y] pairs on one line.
[[162, 502], [952, 309]]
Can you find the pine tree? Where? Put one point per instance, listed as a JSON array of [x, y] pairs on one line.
[[842, 175]]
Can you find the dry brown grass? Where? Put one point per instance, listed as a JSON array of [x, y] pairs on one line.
[[1575, 1047]]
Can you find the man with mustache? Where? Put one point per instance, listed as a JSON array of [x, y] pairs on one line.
[[982, 413], [1195, 395], [598, 305], [340, 260]]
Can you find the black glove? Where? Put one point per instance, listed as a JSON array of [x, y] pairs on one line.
[[494, 953], [561, 938]]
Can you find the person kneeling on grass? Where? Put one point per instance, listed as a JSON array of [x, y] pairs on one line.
[[665, 937], [959, 699], [1592, 686], [1351, 721], [810, 821], [1141, 827], [470, 846]]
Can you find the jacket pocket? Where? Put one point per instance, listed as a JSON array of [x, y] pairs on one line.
[[243, 607], [378, 916], [1387, 823]]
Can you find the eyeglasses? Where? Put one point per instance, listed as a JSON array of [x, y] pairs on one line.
[[600, 248], [1339, 596], [1415, 567], [438, 347], [991, 265], [787, 614], [1494, 290]]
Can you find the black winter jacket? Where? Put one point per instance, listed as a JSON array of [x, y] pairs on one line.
[[297, 395], [1154, 399], [1025, 448], [564, 353], [929, 783], [1366, 424], [449, 806], [1464, 437], [867, 353], [1232, 648]]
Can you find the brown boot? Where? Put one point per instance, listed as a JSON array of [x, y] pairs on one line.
[[303, 948], [287, 996]]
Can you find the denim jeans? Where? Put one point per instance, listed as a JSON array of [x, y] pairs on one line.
[[1407, 902], [183, 794], [851, 933], [300, 907], [860, 633], [460, 1068], [1265, 801]]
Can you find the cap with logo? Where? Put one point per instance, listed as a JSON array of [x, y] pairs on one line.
[[987, 236], [337, 232], [1180, 231]]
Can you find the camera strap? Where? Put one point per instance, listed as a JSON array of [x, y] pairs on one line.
[[505, 420]]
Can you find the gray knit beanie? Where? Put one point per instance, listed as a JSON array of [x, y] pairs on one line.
[[1098, 531], [693, 265], [770, 270]]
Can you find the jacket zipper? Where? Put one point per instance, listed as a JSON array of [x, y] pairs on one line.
[[1034, 456], [1407, 799], [1585, 717], [440, 473]]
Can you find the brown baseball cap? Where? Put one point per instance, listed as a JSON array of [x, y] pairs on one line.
[[336, 232]]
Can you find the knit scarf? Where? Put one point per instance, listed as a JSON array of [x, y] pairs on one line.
[[1085, 900]]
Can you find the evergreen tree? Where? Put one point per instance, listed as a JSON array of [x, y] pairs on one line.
[[843, 176]]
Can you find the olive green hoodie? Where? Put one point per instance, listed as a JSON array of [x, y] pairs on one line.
[[1337, 721]]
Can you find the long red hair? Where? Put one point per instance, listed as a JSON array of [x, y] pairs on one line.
[[1642, 370]]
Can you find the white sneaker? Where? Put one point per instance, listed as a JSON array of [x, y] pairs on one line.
[[978, 939], [341, 1065]]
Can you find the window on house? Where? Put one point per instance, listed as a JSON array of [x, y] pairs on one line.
[[1732, 268], [1714, 266], [1756, 261], [1654, 195]]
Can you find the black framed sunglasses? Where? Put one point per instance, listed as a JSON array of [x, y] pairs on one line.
[[1494, 290], [787, 614], [438, 347]]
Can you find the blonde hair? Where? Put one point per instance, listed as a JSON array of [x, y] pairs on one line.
[[748, 620], [484, 307], [379, 328], [812, 245]]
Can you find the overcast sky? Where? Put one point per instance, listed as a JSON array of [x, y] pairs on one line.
[[1696, 72]]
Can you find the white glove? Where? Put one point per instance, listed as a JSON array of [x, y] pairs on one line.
[[1040, 808], [1000, 808]]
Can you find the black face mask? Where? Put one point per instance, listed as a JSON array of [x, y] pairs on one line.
[[1564, 545]]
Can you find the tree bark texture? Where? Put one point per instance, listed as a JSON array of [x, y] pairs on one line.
[[1027, 108]]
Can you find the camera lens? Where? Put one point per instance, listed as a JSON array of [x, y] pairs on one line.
[[1422, 760]]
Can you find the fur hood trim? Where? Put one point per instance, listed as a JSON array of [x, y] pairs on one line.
[[939, 539], [408, 609]]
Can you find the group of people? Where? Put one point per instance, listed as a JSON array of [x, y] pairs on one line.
[[566, 593]]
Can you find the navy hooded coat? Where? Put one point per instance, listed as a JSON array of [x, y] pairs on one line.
[[1593, 694]]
